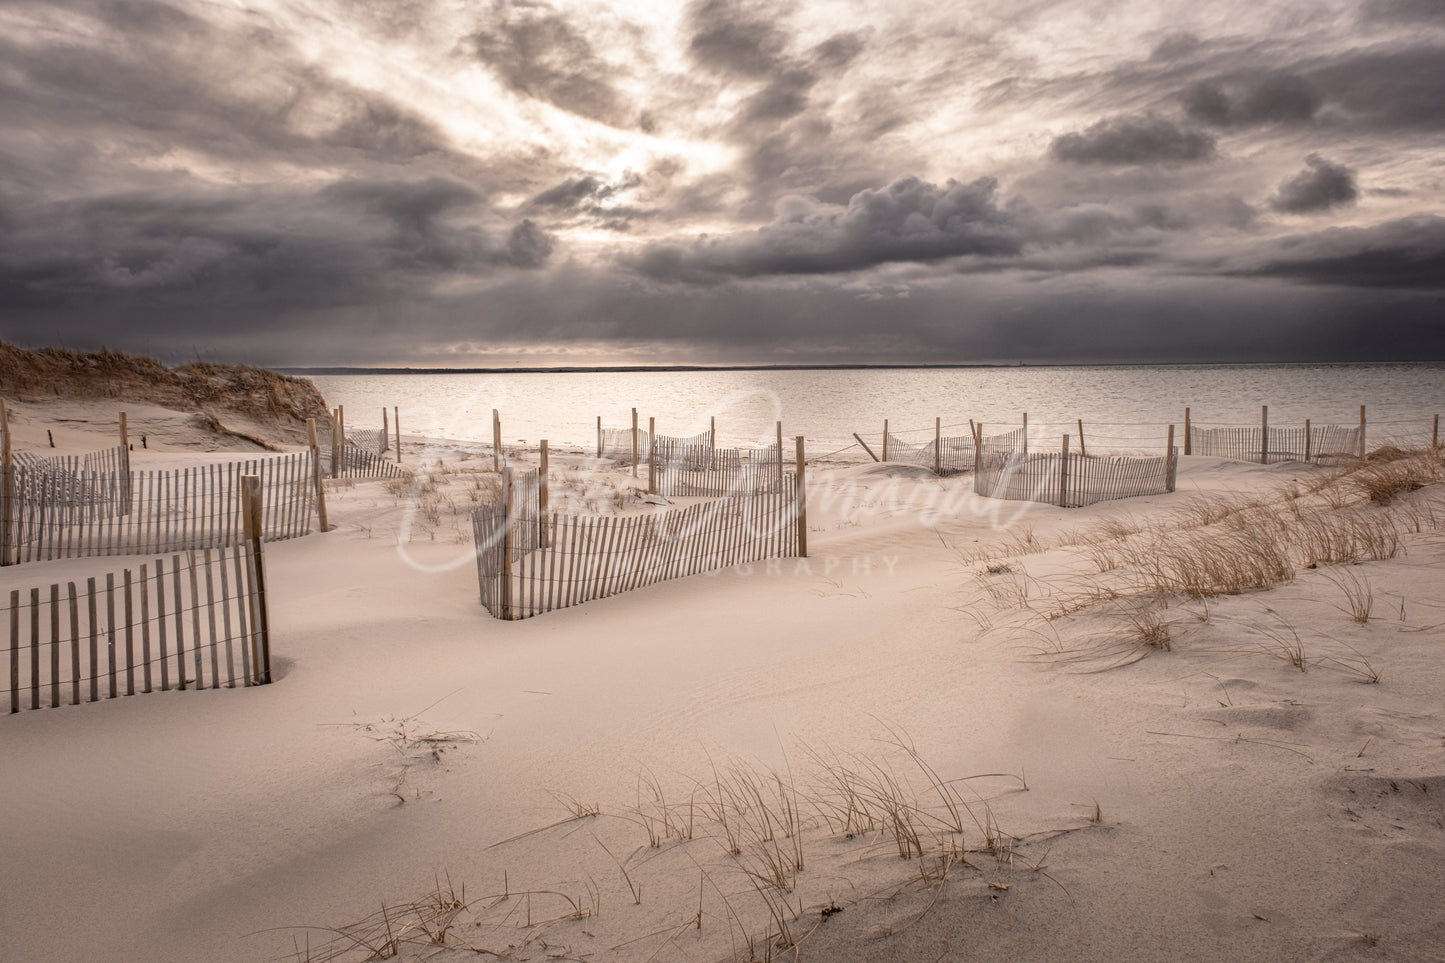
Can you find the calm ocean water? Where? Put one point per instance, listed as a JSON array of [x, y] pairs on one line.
[[1124, 408]]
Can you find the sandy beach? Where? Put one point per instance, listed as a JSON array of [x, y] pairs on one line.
[[959, 730]]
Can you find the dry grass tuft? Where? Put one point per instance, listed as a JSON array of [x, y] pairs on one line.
[[1359, 597], [1230, 545]]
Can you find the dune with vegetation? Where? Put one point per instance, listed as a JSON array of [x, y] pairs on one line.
[[1200, 725], [218, 402]]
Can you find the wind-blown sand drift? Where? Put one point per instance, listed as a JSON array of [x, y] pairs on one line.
[[961, 729]]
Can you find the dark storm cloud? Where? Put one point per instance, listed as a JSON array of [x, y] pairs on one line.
[[346, 244], [1277, 98], [540, 53], [1176, 46], [730, 37], [528, 246], [800, 125], [1134, 140], [909, 220], [1405, 11], [1320, 186], [1387, 89], [1405, 254]]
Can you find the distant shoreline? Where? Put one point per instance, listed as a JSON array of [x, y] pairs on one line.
[[663, 368]]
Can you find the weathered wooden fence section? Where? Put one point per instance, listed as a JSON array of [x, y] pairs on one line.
[[360, 453], [681, 467], [530, 561], [192, 620], [1269, 445], [1072, 480], [113, 459], [58, 513], [948, 454], [618, 443]]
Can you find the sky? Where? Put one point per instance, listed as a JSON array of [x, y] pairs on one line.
[[448, 183]]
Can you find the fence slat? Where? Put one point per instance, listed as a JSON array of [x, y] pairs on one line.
[[145, 630], [128, 607], [94, 640]]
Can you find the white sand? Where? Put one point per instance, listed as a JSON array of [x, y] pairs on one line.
[[1249, 810]]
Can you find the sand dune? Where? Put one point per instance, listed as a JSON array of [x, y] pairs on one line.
[[1270, 785]]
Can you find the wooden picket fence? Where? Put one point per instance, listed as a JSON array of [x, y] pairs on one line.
[[616, 443], [361, 453], [1269, 445], [530, 562], [1072, 480], [681, 467], [947, 454], [142, 630], [54, 512]]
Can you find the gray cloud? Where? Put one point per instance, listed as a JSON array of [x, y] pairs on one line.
[[1405, 11], [730, 37], [159, 90], [909, 220], [347, 244], [178, 170], [538, 52], [1134, 140], [1275, 98], [1386, 88], [1405, 254], [1320, 186]]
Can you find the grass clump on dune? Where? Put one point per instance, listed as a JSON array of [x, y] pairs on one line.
[[1227, 545]]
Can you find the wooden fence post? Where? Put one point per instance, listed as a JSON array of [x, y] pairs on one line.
[[885, 439], [937, 445], [599, 436], [1026, 433], [1064, 474], [396, 426], [652, 455], [507, 496], [977, 450], [802, 496], [1307, 440], [1264, 434], [1186, 431], [1363, 449], [7, 487], [124, 466], [634, 442], [385, 431], [316, 474], [865, 447], [260, 620], [780, 455], [543, 498], [496, 440], [1434, 432], [335, 442], [341, 432], [1082, 450], [712, 440], [1169, 454]]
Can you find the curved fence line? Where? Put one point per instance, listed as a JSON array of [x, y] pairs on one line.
[[362, 455], [950, 454], [530, 562], [146, 630], [60, 514], [1274, 445], [1072, 480], [682, 467]]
